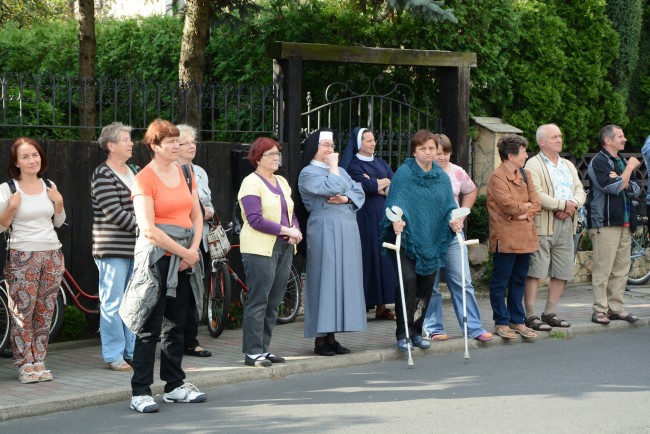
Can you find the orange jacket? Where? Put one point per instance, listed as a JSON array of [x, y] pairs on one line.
[[507, 192]]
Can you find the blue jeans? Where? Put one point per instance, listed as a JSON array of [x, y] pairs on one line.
[[433, 318], [507, 287], [117, 340]]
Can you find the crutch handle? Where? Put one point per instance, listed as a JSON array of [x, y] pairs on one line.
[[469, 242], [390, 246]]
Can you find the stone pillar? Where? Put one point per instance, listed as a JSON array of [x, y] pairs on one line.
[[485, 153]]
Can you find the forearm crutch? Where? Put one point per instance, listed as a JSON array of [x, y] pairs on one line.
[[455, 215], [395, 215]]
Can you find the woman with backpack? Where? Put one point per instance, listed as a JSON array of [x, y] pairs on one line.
[[31, 207]]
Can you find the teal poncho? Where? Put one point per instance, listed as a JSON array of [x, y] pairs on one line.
[[427, 200]]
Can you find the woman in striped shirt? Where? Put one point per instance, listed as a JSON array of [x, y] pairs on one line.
[[114, 241]]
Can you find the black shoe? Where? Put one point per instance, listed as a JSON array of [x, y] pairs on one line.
[[274, 359], [259, 361], [193, 352], [324, 349], [339, 349]]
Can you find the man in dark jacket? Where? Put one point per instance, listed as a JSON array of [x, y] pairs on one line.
[[609, 217]]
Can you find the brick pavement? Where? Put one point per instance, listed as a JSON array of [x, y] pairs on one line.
[[81, 379]]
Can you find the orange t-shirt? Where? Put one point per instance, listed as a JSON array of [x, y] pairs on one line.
[[171, 206]]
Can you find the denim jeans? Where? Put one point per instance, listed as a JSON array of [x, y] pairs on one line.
[[117, 340], [507, 287], [453, 277]]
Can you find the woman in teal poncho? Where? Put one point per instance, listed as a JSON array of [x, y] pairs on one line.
[[423, 191]]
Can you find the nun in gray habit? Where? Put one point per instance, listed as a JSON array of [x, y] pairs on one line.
[[328, 199]]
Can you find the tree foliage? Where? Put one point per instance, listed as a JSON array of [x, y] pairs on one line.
[[626, 17], [559, 71], [24, 13], [537, 61]]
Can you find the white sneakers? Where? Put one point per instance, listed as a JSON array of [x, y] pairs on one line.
[[185, 393], [144, 404]]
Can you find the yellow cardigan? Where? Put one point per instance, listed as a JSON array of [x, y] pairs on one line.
[[251, 240]]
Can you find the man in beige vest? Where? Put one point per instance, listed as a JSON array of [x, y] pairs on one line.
[[560, 191]]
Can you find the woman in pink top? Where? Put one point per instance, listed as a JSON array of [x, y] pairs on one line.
[[433, 326]]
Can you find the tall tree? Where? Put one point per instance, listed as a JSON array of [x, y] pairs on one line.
[[87, 62], [199, 16], [191, 66], [627, 18]]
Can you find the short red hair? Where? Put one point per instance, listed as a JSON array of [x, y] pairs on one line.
[[158, 131], [260, 146]]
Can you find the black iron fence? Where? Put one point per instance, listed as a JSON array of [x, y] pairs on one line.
[[50, 106]]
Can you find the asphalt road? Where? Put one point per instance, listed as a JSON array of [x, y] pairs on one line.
[[596, 383]]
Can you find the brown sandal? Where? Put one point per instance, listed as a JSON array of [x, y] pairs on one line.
[[505, 332], [524, 331], [387, 314]]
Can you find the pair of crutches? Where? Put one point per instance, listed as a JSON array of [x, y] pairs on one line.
[[395, 214]]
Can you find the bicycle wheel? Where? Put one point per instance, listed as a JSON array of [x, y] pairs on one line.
[[218, 300], [640, 262], [57, 317], [291, 302], [5, 317]]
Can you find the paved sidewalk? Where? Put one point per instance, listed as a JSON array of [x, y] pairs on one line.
[[81, 379]]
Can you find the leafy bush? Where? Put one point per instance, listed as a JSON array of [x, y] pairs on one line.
[[478, 221], [235, 315], [74, 325], [559, 71]]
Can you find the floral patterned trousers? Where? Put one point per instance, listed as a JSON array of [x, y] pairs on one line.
[[33, 280]]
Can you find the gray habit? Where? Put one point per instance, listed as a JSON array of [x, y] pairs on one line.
[[334, 299]]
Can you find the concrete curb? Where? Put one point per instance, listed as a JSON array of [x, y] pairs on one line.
[[210, 377]]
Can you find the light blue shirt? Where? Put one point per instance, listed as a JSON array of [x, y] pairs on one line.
[[561, 178]]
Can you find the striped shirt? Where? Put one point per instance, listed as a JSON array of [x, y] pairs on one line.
[[114, 221]]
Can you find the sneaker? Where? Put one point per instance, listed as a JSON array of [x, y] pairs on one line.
[[144, 404], [185, 393], [403, 345], [417, 341]]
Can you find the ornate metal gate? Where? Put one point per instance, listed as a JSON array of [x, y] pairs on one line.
[[386, 107]]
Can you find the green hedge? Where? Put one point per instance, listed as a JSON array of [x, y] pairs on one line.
[[538, 60]]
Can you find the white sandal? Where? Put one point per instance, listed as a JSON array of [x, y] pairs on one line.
[[28, 377], [45, 374], [120, 365]]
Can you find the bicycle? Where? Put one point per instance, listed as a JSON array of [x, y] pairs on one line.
[[218, 295], [66, 293]]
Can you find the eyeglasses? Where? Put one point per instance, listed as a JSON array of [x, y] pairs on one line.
[[328, 145], [190, 143], [272, 154]]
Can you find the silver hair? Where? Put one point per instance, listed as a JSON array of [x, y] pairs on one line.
[[541, 131], [186, 129], [111, 133]]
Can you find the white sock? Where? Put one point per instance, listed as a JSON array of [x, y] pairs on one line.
[[255, 356]]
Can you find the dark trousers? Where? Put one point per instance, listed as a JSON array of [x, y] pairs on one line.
[[193, 316], [417, 292], [507, 287], [167, 321], [266, 277]]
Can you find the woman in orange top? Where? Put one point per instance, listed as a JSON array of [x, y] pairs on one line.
[[169, 218]]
